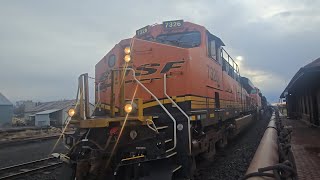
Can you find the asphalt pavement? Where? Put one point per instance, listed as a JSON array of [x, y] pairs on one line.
[[12, 155]]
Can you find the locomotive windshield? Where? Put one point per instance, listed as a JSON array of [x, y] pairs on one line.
[[253, 91], [184, 40]]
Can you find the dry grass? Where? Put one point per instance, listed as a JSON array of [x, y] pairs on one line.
[[7, 136]]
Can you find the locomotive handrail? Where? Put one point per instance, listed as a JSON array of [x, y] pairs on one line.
[[181, 110], [234, 64], [165, 109], [154, 128]]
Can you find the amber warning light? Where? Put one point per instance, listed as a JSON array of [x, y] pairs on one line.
[[128, 108], [127, 57]]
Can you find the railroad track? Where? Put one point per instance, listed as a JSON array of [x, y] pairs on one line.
[[32, 167]]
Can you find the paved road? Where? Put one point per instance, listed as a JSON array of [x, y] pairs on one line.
[[27, 152], [305, 146]]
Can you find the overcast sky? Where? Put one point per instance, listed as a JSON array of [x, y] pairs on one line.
[[45, 45]]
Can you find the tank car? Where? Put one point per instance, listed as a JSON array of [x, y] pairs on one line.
[[165, 98]]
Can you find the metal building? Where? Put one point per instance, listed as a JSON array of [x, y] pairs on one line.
[[48, 117], [303, 94], [6, 111], [52, 113]]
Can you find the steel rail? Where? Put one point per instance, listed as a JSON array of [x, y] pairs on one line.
[[10, 170], [27, 163]]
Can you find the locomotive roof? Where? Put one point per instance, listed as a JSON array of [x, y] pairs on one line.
[[216, 38]]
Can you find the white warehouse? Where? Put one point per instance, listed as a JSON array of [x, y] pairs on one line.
[[51, 113]]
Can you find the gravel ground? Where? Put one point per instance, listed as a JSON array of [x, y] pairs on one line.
[[233, 161]]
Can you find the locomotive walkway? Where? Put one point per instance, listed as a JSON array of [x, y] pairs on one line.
[[306, 148]]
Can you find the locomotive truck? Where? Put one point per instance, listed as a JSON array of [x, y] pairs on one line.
[[164, 99]]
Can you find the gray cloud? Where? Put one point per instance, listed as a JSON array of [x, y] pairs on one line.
[[46, 45]]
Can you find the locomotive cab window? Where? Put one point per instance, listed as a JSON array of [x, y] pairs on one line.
[[212, 49], [224, 64], [184, 40], [237, 77], [231, 72], [253, 91], [214, 45]]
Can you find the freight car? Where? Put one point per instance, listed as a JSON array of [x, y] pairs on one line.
[[167, 97]]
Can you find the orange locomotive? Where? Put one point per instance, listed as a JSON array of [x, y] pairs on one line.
[[164, 98]]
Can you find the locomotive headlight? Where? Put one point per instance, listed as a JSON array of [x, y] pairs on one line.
[[127, 58], [71, 112], [128, 108], [127, 50]]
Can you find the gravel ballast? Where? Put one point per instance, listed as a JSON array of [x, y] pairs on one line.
[[232, 162]]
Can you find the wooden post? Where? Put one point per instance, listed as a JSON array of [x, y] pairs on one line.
[[122, 91], [86, 96], [81, 105], [112, 100]]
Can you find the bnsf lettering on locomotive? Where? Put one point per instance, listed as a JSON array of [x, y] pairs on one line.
[[146, 69], [171, 65], [143, 70]]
